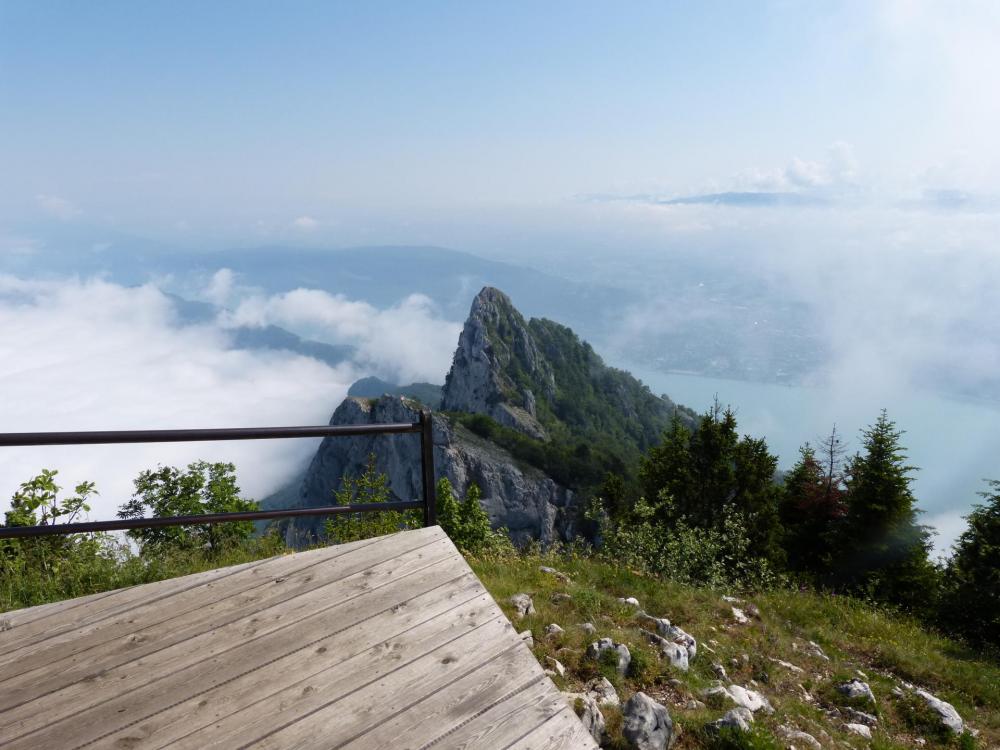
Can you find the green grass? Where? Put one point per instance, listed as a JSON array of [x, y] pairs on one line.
[[28, 583], [856, 636]]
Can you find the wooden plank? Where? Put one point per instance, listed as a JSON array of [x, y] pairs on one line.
[[373, 646], [391, 642], [117, 672], [434, 698], [463, 724], [564, 731], [346, 701], [38, 611], [163, 711], [277, 578]]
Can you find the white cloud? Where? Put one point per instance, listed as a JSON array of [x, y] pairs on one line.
[[57, 207], [838, 169], [409, 341], [305, 224], [86, 355], [219, 289], [83, 355]]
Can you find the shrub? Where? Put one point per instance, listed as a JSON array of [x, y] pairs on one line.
[[467, 524], [203, 488], [371, 486]]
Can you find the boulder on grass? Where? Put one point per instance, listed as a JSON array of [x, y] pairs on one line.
[[622, 654], [945, 712], [523, 605], [738, 718], [646, 723]]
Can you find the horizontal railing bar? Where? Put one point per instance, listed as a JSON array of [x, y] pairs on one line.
[[14, 532], [178, 436]]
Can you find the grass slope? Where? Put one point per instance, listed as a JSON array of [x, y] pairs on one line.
[[855, 637]]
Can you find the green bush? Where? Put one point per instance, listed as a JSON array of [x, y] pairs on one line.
[[720, 557], [467, 524], [203, 488]]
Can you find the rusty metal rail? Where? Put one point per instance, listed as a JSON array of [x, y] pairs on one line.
[[423, 427]]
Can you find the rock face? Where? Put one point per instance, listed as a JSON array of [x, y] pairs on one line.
[[494, 342], [522, 499], [646, 723]]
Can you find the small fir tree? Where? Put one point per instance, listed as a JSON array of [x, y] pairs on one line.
[[881, 549]]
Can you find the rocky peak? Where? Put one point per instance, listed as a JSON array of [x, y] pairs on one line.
[[498, 369]]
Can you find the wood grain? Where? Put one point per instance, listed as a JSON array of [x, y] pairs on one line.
[[388, 642]]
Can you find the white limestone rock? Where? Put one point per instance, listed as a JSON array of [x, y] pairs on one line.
[[589, 713], [736, 718], [646, 724], [622, 654], [945, 712], [855, 689], [741, 696], [523, 606], [861, 730], [791, 734], [602, 691]]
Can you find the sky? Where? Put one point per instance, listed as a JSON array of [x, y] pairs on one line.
[[202, 121], [843, 152]]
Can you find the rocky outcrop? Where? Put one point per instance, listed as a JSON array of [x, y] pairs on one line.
[[519, 497], [496, 344]]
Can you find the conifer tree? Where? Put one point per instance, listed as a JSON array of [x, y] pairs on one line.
[[811, 504], [702, 477], [882, 551], [971, 604]]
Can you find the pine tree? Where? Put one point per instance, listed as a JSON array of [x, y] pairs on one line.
[[971, 604], [882, 550], [703, 477], [812, 502]]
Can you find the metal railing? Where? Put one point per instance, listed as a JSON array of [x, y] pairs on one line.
[[423, 427]]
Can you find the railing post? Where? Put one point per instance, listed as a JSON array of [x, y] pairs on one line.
[[427, 467]]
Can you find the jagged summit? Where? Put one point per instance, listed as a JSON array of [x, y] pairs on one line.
[[539, 378], [497, 369]]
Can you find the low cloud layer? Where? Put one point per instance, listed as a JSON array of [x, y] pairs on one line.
[[88, 354], [404, 343]]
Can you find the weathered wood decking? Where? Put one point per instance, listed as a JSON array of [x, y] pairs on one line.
[[390, 642]]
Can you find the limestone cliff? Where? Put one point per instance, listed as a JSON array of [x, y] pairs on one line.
[[496, 365], [521, 498]]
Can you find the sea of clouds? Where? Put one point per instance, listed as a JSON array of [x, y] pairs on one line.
[[88, 354]]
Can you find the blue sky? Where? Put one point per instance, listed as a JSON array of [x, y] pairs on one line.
[[222, 118]]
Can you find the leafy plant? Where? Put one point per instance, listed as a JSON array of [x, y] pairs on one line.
[[467, 524], [203, 488]]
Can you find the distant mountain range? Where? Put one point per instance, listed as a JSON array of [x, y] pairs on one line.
[[698, 318]]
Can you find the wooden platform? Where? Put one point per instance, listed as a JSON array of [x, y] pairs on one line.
[[386, 643]]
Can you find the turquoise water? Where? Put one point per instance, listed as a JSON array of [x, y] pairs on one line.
[[955, 443]]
